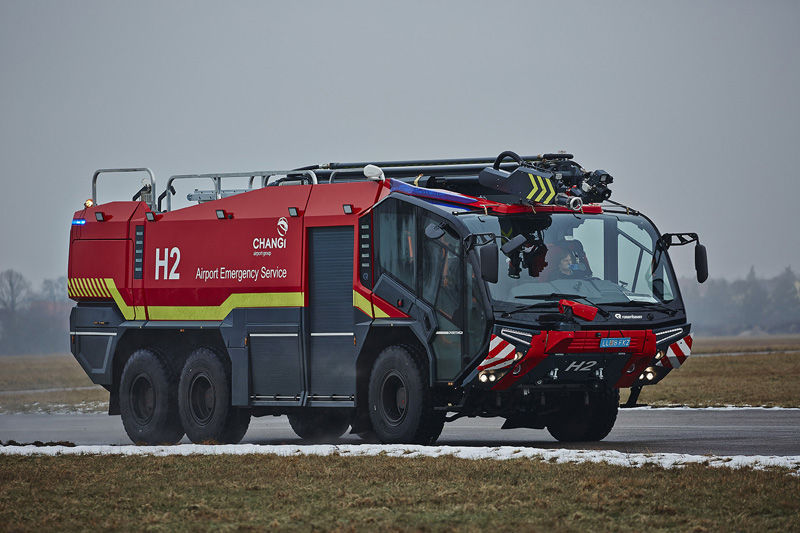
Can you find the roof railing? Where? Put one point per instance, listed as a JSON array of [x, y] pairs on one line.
[[264, 176], [146, 193]]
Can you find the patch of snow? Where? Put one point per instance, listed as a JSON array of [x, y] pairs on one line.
[[664, 460]]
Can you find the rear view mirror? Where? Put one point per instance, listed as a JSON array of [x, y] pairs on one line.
[[434, 231], [488, 256], [701, 262], [513, 244]]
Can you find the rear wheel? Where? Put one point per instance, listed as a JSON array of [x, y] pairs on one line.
[[148, 400], [320, 424], [400, 403], [580, 422], [204, 398]]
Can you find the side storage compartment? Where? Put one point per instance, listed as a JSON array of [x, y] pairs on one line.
[[93, 338]]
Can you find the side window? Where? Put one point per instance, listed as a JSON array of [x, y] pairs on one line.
[[442, 288], [476, 316], [636, 262], [397, 241]]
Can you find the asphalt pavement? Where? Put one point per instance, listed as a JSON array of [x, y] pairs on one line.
[[694, 431]]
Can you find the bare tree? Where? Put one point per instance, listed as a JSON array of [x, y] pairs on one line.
[[55, 290], [14, 291]]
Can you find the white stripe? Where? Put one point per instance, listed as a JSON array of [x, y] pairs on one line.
[[345, 334], [95, 333], [673, 359], [495, 341], [684, 347], [449, 332], [502, 355], [501, 364], [273, 334]]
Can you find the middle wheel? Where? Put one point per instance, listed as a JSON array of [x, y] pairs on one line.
[[320, 424], [400, 405], [204, 401]]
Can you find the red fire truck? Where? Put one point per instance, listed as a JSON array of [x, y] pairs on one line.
[[389, 297]]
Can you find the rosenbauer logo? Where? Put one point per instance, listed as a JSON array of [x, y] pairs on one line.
[[263, 246], [620, 316]]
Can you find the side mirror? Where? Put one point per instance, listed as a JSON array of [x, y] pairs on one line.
[[513, 244], [434, 231], [488, 256], [701, 262]]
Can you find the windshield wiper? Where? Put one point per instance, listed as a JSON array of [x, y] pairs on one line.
[[655, 305], [527, 307]]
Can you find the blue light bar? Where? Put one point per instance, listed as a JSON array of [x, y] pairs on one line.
[[78, 221]]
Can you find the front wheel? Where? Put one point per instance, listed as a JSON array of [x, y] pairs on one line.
[[204, 398], [400, 403], [579, 422], [148, 400]]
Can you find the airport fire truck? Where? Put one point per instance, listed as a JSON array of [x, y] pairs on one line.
[[387, 297]]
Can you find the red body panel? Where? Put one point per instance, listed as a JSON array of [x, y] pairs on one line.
[[642, 349], [195, 262]]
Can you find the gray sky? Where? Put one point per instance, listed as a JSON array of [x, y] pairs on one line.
[[691, 106]]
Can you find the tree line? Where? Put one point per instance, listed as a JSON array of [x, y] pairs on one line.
[[36, 320], [751, 305]]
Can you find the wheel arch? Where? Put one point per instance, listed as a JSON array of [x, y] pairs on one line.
[[380, 337]]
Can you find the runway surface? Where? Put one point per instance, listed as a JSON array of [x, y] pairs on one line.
[[740, 431]]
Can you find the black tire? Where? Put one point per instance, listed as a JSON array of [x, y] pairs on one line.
[[204, 400], [605, 415], [320, 424], [148, 400], [399, 400], [578, 422]]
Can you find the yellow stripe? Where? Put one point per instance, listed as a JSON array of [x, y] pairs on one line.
[[379, 313], [96, 287], [534, 187], [362, 303], [103, 288], [544, 188], [551, 194], [199, 312], [127, 311], [94, 292], [75, 288], [84, 287], [69, 287]]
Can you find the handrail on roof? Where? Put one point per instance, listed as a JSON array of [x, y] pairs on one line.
[[97, 173], [217, 180]]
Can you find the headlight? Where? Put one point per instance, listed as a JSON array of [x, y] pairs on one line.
[[492, 369]]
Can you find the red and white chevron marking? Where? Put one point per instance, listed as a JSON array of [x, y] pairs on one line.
[[677, 352], [501, 354]]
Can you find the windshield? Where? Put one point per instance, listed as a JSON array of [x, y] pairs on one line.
[[604, 259]]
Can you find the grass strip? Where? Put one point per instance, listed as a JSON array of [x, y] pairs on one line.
[[724, 345], [755, 379], [345, 493]]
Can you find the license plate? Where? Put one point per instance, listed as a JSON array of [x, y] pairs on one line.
[[616, 342]]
